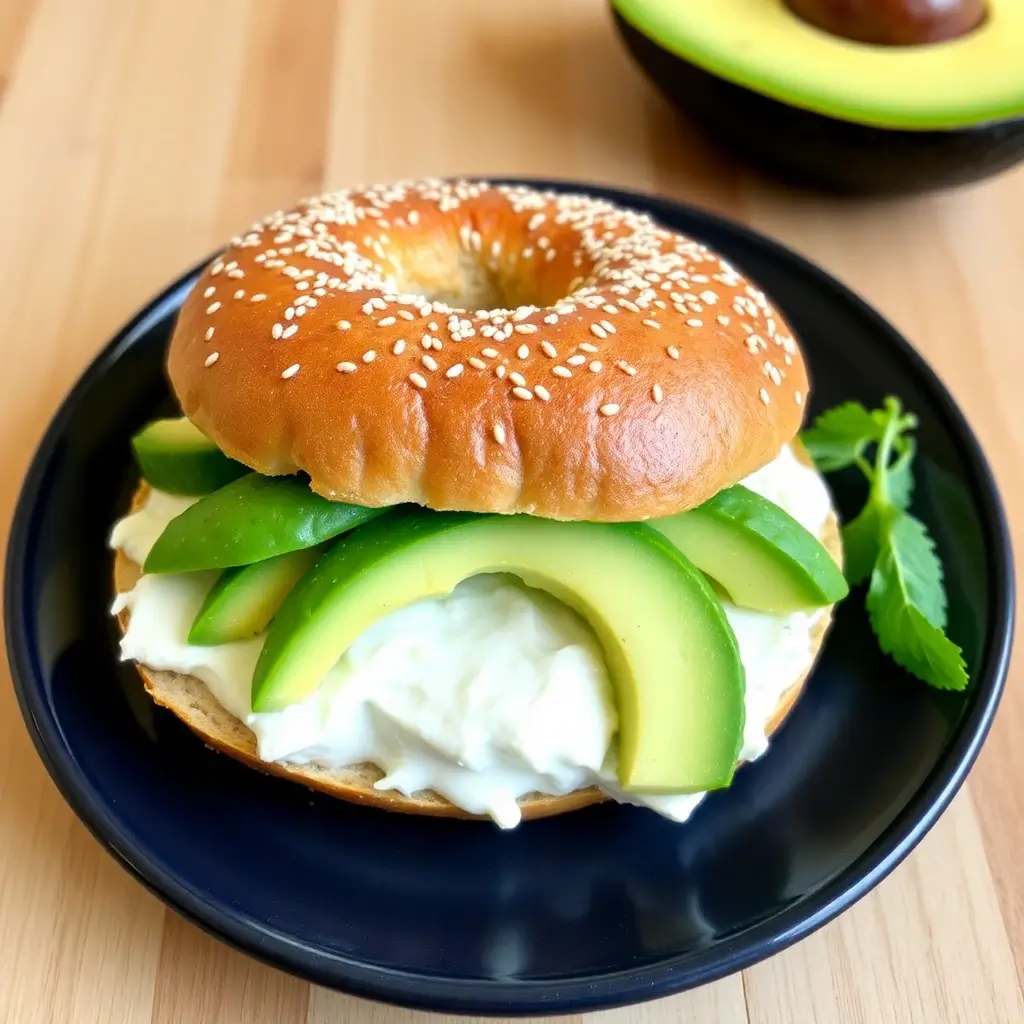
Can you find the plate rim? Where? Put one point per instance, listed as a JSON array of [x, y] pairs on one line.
[[535, 995]]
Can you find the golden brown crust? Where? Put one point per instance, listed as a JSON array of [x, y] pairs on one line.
[[189, 699], [256, 354]]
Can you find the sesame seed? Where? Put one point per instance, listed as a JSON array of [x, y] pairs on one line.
[[609, 308], [454, 371], [211, 359], [709, 297], [429, 362], [561, 371], [596, 366], [630, 371], [652, 323], [290, 371], [609, 410], [517, 378], [499, 371], [598, 330], [301, 286], [289, 313], [522, 393], [765, 397], [388, 321], [576, 360], [798, 398], [525, 328], [209, 334], [289, 331], [499, 433], [398, 348], [585, 346], [776, 377], [551, 318], [235, 273], [369, 356], [343, 325], [657, 394], [523, 351], [212, 308], [631, 306], [427, 342], [673, 352], [694, 323], [418, 380], [210, 292], [606, 324], [258, 297], [723, 319], [548, 349], [477, 364], [216, 268], [406, 315], [240, 294], [490, 353], [346, 367], [542, 392]]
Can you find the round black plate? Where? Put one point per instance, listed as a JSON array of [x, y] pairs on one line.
[[602, 907]]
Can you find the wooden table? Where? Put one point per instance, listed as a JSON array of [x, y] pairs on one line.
[[135, 136]]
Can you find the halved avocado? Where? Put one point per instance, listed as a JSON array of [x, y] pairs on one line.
[[759, 554], [174, 455], [251, 519], [245, 599], [830, 112], [671, 654]]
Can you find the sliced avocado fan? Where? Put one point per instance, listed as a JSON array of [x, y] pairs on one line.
[[671, 653]]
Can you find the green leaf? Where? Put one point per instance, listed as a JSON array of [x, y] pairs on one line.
[[906, 604], [901, 476], [860, 545], [841, 434]]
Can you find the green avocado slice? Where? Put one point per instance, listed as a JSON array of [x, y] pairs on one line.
[[671, 653], [174, 455], [250, 519], [245, 599], [760, 555], [763, 46]]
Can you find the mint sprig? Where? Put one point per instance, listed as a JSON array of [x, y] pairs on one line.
[[885, 544]]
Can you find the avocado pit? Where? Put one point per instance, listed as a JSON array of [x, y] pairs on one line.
[[892, 22]]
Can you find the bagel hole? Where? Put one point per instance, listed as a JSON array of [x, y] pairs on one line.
[[462, 280]]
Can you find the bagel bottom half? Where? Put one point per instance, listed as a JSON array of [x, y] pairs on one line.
[[189, 699]]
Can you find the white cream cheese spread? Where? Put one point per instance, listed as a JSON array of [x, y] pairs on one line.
[[484, 695]]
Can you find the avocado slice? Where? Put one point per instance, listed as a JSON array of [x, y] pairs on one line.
[[759, 554], [823, 111], [671, 653], [174, 455], [246, 598], [249, 520]]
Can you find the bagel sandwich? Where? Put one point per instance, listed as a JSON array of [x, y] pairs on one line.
[[485, 502]]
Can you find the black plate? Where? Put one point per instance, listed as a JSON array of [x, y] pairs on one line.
[[602, 907]]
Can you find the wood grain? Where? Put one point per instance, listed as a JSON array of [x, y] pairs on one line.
[[179, 121]]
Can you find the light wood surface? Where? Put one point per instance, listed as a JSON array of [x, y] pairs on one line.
[[135, 136]]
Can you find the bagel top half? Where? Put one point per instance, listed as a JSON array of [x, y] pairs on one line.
[[493, 349]]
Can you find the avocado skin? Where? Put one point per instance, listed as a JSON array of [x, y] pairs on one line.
[[251, 519], [819, 152]]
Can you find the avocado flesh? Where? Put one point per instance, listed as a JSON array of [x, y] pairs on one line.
[[244, 601], [759, 554], [670, 651], [249, 520], [175, 456], [765, 47]]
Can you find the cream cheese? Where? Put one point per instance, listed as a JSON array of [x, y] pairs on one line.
[[483, 695]]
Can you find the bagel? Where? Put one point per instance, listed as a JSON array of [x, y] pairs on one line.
[[189, 699], [427, 342]]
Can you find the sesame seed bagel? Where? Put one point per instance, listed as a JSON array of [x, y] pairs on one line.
[[189, 699], [493, 349]]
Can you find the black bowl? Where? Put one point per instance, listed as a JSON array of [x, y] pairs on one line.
[[817, 151], [597, 908]]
